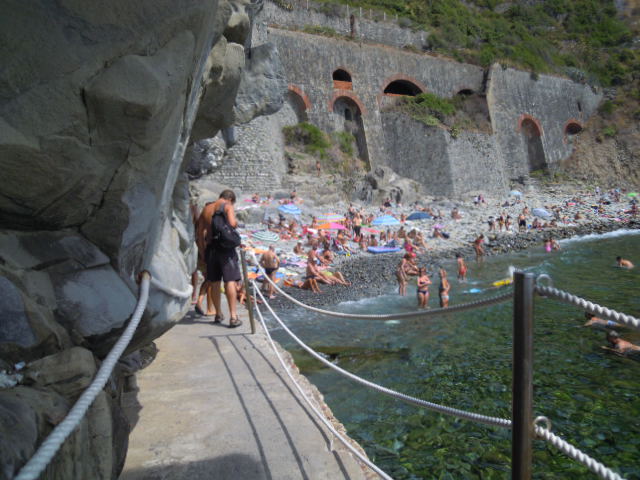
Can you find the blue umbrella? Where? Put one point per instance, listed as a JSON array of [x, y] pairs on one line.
[[386, 220], [515, 193], [289, 209], [419, 216]]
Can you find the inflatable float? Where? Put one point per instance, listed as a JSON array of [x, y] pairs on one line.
[[377, 250]]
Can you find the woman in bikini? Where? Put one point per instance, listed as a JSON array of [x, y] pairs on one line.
[[423, 288], [443, 289]]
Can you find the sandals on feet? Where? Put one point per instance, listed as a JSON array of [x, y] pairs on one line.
[[218, 318], [234, 322]]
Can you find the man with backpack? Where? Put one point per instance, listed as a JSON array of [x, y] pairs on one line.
[[217, 240]]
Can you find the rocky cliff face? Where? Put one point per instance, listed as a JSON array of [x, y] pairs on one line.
[[97, 105]]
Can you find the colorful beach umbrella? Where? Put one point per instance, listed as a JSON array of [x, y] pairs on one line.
[[386, 220], [331, 226], [266, 236], [330, 217], [632, 194], [289, 209], [419, 216], [370, 230]]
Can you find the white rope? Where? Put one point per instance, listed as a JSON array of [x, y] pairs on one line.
[[590, 307], [39, 461], [319, 414], [493, 421], [572, 452], [406, 315], [172, 292]]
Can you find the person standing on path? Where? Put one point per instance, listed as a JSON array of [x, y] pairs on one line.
[[222, 263], [270, 262]]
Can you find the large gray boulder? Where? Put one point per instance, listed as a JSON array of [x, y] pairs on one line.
[[97, 106]]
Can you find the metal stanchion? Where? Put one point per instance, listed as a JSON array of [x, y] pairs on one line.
[[522, 398], [246, 289]]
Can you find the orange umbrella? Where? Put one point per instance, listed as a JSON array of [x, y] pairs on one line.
[[331, 226]]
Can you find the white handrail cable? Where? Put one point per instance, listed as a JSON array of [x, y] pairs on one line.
[[572, 452], [590, 307], [319, 414], [406, 315], [39, 461], [493, 421]]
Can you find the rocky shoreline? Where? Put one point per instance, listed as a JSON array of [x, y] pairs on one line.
[[371, 275]]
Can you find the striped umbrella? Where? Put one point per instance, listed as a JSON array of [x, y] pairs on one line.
[[330, 217], [289, 209], [266, 236]]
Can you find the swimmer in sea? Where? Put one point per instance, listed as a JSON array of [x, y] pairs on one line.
[[624, 263], [443, 289], [592, 320], [462, 268], [423, 288], [620, 346]]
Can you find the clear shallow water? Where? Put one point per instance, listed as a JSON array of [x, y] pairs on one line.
[[464, 360]]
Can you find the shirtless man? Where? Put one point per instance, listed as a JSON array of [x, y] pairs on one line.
[[270, 262], [624, 263], [222, 265], [592, 320], [620, 346], [298, 250]]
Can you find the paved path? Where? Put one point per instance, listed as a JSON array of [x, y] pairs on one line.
[[216, 404]]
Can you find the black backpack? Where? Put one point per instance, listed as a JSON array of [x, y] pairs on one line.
[[223, 236]]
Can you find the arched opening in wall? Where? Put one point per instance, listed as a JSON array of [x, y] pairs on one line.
[[572, 128], [348, 118], [466, 92], [342, 80], [532, 137], [297, 104], [402, 87]]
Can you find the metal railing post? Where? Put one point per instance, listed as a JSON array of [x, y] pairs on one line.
[[252, 321], [522, 389]]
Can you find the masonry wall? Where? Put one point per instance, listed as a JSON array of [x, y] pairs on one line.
[[310, 61], [442, 164], [387, 33], [551, 102]]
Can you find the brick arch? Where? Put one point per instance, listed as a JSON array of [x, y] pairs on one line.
[[402, 76], [342, 67], [526, 116], [303, 96], [349, 94], [571, 121]]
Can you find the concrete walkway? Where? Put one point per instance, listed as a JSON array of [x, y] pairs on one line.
[[216, 404]]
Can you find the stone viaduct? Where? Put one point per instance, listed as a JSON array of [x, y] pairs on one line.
[[344, 83]]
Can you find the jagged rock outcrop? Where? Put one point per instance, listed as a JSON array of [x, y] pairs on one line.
[[97, 105]]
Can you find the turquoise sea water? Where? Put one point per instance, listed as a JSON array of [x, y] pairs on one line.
[[464, 360]]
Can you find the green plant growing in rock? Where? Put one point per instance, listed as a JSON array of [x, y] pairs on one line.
[[610, 131], [314, 140], [345, 141], [321, 30]]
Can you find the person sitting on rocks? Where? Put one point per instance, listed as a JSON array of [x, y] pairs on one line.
[[437, 233], [314, 223], [455, 214], [373, 241], [327, 257], [298, 249], [307, 284], [403, 217], [420, 241], [255, 198]]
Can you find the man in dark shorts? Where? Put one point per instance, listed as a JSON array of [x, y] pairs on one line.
[[270, 262], [222, 264]]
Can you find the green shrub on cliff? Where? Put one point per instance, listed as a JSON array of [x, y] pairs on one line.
[[314, 140], [544, 36], [427, 108], [345, 141]]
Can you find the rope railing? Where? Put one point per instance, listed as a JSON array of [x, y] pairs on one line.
[[543, 433], [315, 410], [594, 308], [393, 316], [492, 421], [572, 452], [39, 461]]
